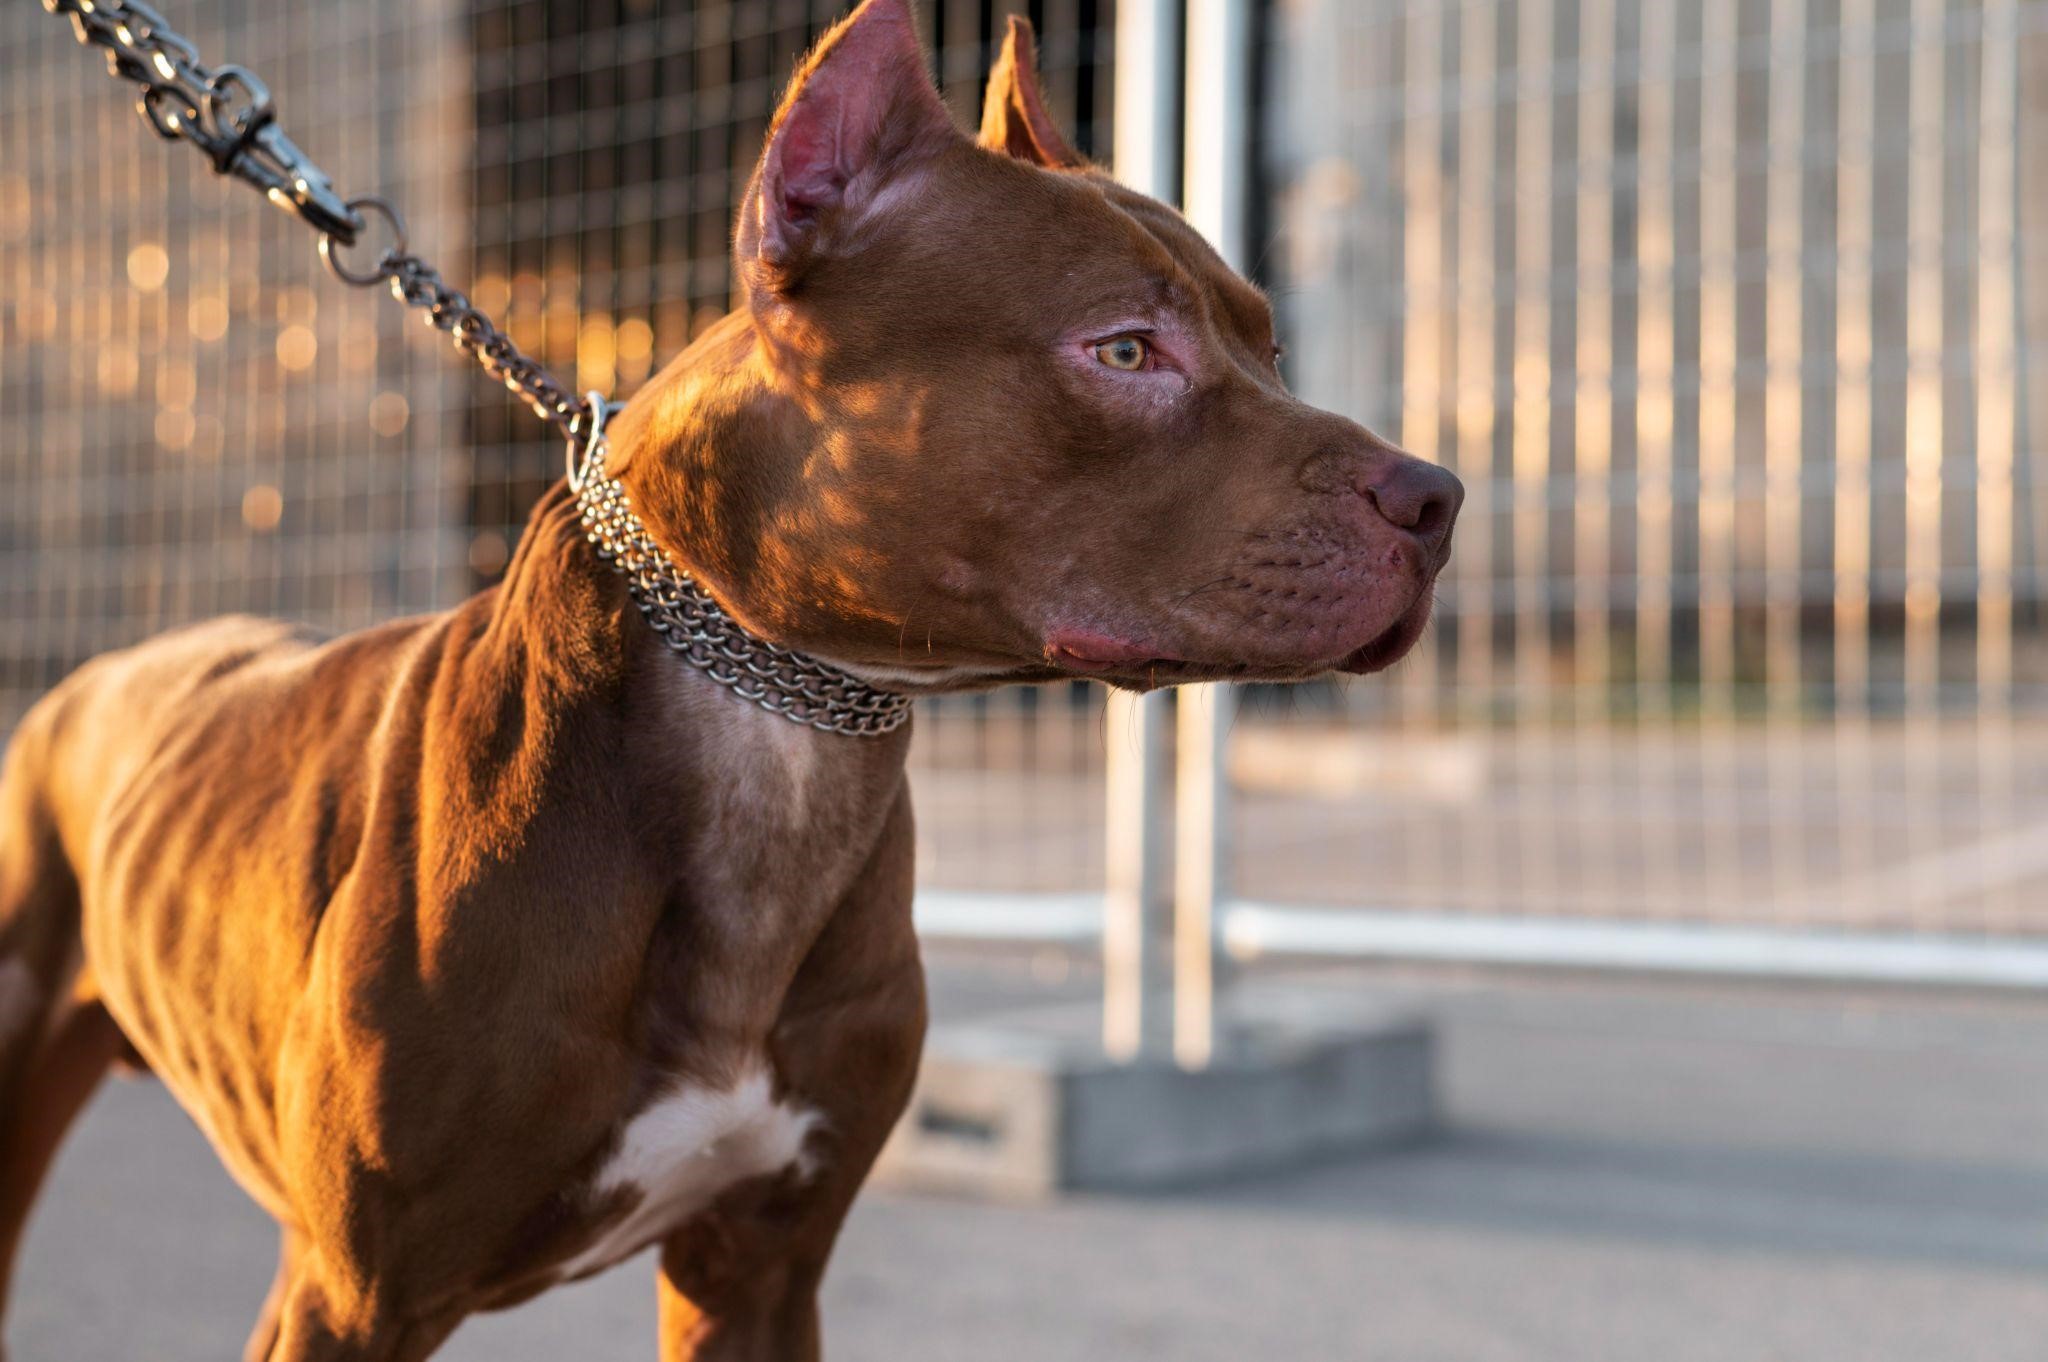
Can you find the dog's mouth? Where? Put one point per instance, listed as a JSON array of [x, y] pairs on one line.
[[1145, 665]]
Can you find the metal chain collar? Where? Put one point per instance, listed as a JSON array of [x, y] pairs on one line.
[[230, 116], [777, 679]]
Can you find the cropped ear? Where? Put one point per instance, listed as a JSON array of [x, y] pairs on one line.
[[860, 111], [1013, 115]]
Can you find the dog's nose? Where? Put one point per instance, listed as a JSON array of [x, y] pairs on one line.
[[1419, 498]]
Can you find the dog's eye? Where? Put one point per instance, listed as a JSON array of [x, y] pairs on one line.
[[1129, 353]]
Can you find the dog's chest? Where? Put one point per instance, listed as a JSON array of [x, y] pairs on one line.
[[675, 1157], [785, 818]]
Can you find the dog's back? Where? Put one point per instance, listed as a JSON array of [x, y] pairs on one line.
[[222, 714], [111, 714]]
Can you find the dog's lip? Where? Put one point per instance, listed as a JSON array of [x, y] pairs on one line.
[[1392, 645], [1086, 650]]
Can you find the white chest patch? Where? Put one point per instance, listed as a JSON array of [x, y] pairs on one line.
[[19, 998], [685, 1149]]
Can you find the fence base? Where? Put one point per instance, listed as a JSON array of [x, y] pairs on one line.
[[1026, 1105]]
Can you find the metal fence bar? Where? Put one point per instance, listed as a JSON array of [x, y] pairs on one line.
[[1473, 407], [1997, 423], [1656, 339], [1135, 983], [1785, 436], [1592, 360], [1856, 139], [1201, 881], [1925, 436], [1532, 445], [1135, 980], [1218, 201], [1997, 305]]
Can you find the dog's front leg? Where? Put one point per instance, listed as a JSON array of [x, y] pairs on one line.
[[740, 1284], [768, 1315], [319, 1322], [269, 1320]]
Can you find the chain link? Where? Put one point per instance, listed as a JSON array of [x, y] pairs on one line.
[[418, 284], [229, 115]]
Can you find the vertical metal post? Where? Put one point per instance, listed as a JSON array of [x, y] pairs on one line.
[[1217, 178], [1997, 429], [2030, 259], [1133, 969], [1147, 103], [1927, 228], [1219, 123], [1855, 195], [1134, 982], [1201, 881]]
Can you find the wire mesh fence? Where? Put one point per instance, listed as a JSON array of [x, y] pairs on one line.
[[1731, 318], [196, 419]]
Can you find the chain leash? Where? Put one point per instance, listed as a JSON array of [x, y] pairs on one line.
[[229, 115]]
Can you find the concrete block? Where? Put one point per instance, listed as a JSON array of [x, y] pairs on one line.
[[1026, 1105]]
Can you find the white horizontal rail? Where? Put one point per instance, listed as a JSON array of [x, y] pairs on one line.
[[1029, 919], [1254, 929], [1251, 930]]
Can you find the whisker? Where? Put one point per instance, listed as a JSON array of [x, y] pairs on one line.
[[1206, 586]]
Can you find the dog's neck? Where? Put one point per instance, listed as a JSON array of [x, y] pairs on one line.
[[568, 633], [736, 459], [563, 631], [699, 450], [570, 706], [704, 634], [657, 500]]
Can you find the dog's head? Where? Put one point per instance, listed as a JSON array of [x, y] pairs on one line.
[[988, 415]]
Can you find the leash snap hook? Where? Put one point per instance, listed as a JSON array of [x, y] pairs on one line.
[[240, 108]]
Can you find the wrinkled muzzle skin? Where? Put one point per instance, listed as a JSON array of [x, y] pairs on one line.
[[921, 450]]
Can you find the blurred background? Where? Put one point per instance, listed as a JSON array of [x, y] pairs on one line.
[[1709, 823]]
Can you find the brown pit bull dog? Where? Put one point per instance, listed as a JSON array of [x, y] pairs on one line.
[[493, 947]]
